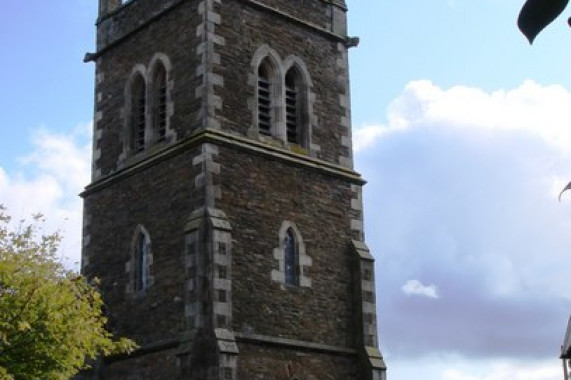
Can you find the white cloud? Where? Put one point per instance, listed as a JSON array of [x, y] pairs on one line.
[[48, 180], [416, 288], [454, 367], [61, 156], [465, 183], [541, 111], [366, 137], [510, 371]]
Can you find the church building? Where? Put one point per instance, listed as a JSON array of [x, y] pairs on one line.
[[224, 217]]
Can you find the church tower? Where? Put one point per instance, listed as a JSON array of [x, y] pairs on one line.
[[224, 217]]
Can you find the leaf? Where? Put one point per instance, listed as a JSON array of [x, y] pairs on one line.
[[564, 189], [24, 326], [51, 318], [537, 14]]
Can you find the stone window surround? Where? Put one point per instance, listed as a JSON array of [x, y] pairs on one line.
[[279, 69], [303, 260], [151, 132], [132, 264]]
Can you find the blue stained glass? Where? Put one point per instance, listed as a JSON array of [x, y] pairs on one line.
[[290, 253], [141, 280]]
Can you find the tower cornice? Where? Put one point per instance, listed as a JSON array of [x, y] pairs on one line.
[[231, 141]]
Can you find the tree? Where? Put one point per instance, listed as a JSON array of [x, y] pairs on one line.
[[537, 14], [51, 319]]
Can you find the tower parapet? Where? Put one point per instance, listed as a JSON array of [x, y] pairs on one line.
[[326, 14], [107, 6]]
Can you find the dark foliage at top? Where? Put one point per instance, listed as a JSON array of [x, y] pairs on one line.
[[537, 14]]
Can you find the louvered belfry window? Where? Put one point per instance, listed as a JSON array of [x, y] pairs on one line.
[[264, 100], [292, 108], [138, 105], [160, 103]]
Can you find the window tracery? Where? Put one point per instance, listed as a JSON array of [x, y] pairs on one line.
[[282, 102], [292, 260]]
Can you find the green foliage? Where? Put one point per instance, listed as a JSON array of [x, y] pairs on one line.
[[51, 319]]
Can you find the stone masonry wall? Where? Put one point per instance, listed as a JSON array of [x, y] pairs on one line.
[[317, 12], [174, 32], [160, 198], [266, 362], [158, 365], [120, 19], [174, 35], [223, 270], [258, 195], [246, 29]]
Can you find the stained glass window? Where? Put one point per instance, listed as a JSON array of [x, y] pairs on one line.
[[290, 258]]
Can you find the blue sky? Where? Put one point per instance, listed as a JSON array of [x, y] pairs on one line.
[[462, 130]]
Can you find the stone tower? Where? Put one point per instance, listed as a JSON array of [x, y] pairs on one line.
[[224, 217]]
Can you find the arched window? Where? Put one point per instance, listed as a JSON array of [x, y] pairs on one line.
[[141, 263], [138, 111], [283, 100], [295, 107], [160, 103], [265, 90], [290, 258]]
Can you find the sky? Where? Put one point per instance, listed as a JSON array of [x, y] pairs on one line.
[[462, 130]]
